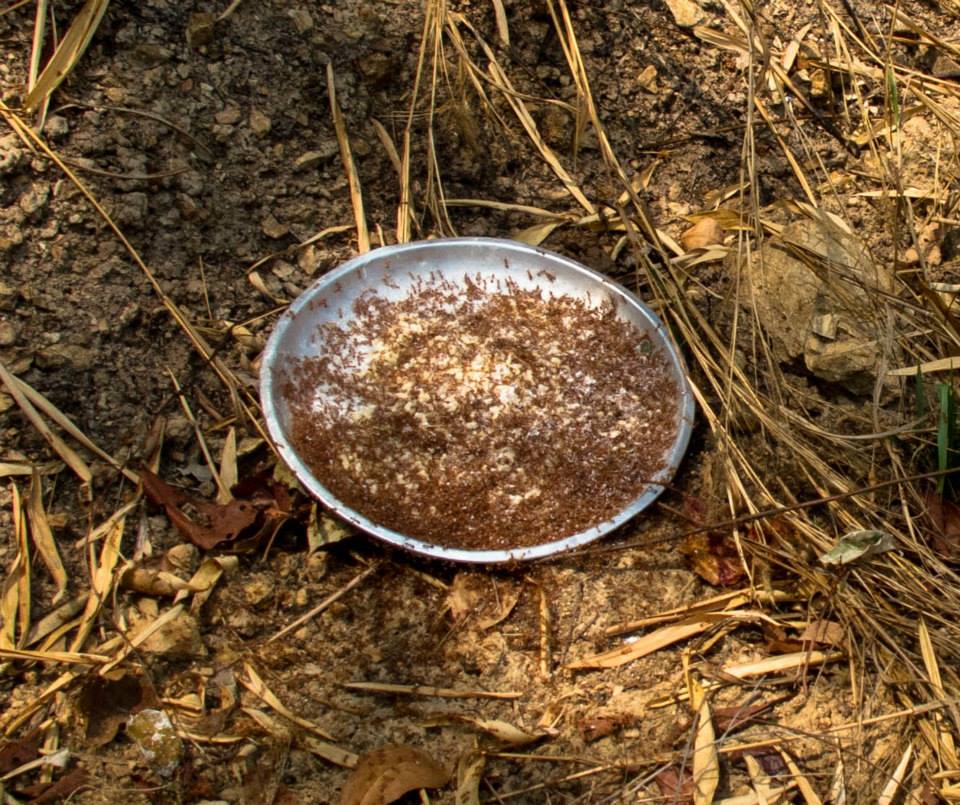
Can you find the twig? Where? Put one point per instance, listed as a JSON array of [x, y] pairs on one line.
[[429, 690], [325, 602]]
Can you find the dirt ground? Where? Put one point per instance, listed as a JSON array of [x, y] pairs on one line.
[[210, 143]]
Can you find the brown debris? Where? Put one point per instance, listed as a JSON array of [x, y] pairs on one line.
[[386, 774], [258, 510]]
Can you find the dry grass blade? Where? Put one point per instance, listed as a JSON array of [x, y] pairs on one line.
[[656, 640], [101, 575], [258, 687], [36, 50], [43, 536], [353, 178], [706, 759], [503, 28], [891, 789], [429, 690], [68, 53], [22, 575], [803, 784], [70, 456], [68, 657], [10, 591], [229, 474]]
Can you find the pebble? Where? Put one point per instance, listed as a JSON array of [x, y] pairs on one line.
[[56, 127], [155, 735], [8, 333], [259, 122]]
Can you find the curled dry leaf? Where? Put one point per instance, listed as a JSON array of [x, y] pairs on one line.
[[824, 633], [714, 558], [503, 731], [593, 728], [858, 545], [705, 232], [944, 517], [386, 774], [259, 508], [675, 784]]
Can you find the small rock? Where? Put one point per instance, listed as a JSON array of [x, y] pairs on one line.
[[200, 29], [8, 296], [56, 127], [66, 356], [259, 122], [157, 738], [229, 116], [648, 78], [150, 54], [258, 589], [945, 67], [183, 558], [177, 640], [302, 20], [11, 153], [308, 260], [132, 209], [686, 13], [35, 198], [272, 228], [6, 402], [283, 270], [8, 333]]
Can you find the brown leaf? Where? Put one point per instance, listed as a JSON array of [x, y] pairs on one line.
[[730, 719], [16, 753], [714, 558], [386, 774], [705, 232], [944, 516], [596, 727], [824, 633], [57, 791], [259, 508], [675, 784]]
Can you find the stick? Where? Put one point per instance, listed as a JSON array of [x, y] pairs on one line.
[[325, 603]]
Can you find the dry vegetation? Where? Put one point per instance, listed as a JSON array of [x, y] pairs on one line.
[[850, 682]]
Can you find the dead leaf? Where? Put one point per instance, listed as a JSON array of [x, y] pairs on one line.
[[386, 774], [469, 774], [596, 727], [736, 717], [503, 731], [944, 516], [59, 790], [259, 508], [824, 633], [15, 753], [675, 784], [714, 558], [706, 757], [705, 232], [507, 598]]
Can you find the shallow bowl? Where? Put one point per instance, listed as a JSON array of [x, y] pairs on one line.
[[390, 271]]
